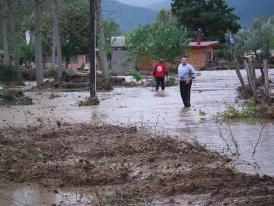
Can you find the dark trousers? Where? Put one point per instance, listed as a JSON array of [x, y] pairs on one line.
[[160, 81], [185, 92]]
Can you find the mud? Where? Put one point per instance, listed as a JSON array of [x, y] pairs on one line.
[[126, 166]]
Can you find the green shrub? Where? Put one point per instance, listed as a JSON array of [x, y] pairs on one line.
[[247, 111], [14, 97], [136, 75], [10, 74], [50, 73]]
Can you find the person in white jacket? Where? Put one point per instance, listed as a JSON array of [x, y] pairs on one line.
[[186, 73]]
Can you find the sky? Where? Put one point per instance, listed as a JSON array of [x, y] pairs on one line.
[[140, 2]]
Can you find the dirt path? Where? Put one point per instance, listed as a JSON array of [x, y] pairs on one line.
[[124, 166]]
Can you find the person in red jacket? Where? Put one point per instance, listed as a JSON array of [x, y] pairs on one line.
[[159, 72]]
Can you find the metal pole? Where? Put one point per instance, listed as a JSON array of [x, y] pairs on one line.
[[92, 55]]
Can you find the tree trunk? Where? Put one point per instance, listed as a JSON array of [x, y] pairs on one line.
[[239, 75], [12, 19], [101, 38], [56, 42], [249, 77], [6, 59], [67, 62], [266, 84], [260, 62], [38, 42]]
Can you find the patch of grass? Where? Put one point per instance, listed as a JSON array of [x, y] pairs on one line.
[[8, 152], [247, 111]]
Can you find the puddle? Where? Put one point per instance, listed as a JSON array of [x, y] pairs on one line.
[[33, 195]]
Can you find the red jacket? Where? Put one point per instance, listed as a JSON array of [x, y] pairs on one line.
[[160, 70]]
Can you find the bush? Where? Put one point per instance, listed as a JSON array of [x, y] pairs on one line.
[[50, 73], [14, 97], [10, 74], [248, 111], [136, 75]]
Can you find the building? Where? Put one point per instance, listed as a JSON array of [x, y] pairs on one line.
[[201, 53]]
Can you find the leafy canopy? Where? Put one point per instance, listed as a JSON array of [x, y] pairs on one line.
[[259, 39], [213, 17], [163, 39]]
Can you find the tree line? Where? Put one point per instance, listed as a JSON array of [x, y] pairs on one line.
[[60, 30]]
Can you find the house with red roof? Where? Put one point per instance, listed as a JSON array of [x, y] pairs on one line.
[[201, 53]]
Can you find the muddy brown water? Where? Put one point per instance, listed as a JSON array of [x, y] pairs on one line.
[[211, 92]]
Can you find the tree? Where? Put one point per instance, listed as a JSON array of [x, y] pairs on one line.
[[111, 28], [26, 53], [158, 41], [258, 40], [4, 14], [74, 32], [56, 42], [12, 19], [38, 42], [101, 38], [213, 17]]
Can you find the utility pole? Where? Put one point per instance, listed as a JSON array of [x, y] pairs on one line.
[[92, 54]]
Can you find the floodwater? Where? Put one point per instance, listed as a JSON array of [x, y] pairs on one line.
[[252, 140]]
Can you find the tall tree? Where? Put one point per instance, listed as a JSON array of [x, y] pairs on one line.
[[213, 17], [12, 19], [38, 41], [56, 42], [161, 40], [4, 15], [101, 38]]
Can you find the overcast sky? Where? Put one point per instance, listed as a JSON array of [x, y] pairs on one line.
[[139, 2]]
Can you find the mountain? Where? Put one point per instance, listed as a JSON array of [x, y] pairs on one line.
[[139, 3], [128, 17], [247, 10], [160, 5]]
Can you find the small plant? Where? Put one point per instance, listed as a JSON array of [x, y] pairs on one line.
[[247, 111], [136, 75], [50, 73], [14, 97]]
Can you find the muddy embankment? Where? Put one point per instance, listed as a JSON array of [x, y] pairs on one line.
[[126, 166]]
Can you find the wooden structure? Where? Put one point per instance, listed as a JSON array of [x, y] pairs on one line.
[[201, 53]]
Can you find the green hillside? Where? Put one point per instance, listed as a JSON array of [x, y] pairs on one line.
[[129, 17]]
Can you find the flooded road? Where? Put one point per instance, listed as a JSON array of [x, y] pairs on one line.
[[211, 92]]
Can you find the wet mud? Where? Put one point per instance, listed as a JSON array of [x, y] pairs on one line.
[[125, 166]]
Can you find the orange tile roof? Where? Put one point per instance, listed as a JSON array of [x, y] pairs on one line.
[[203, 43]]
